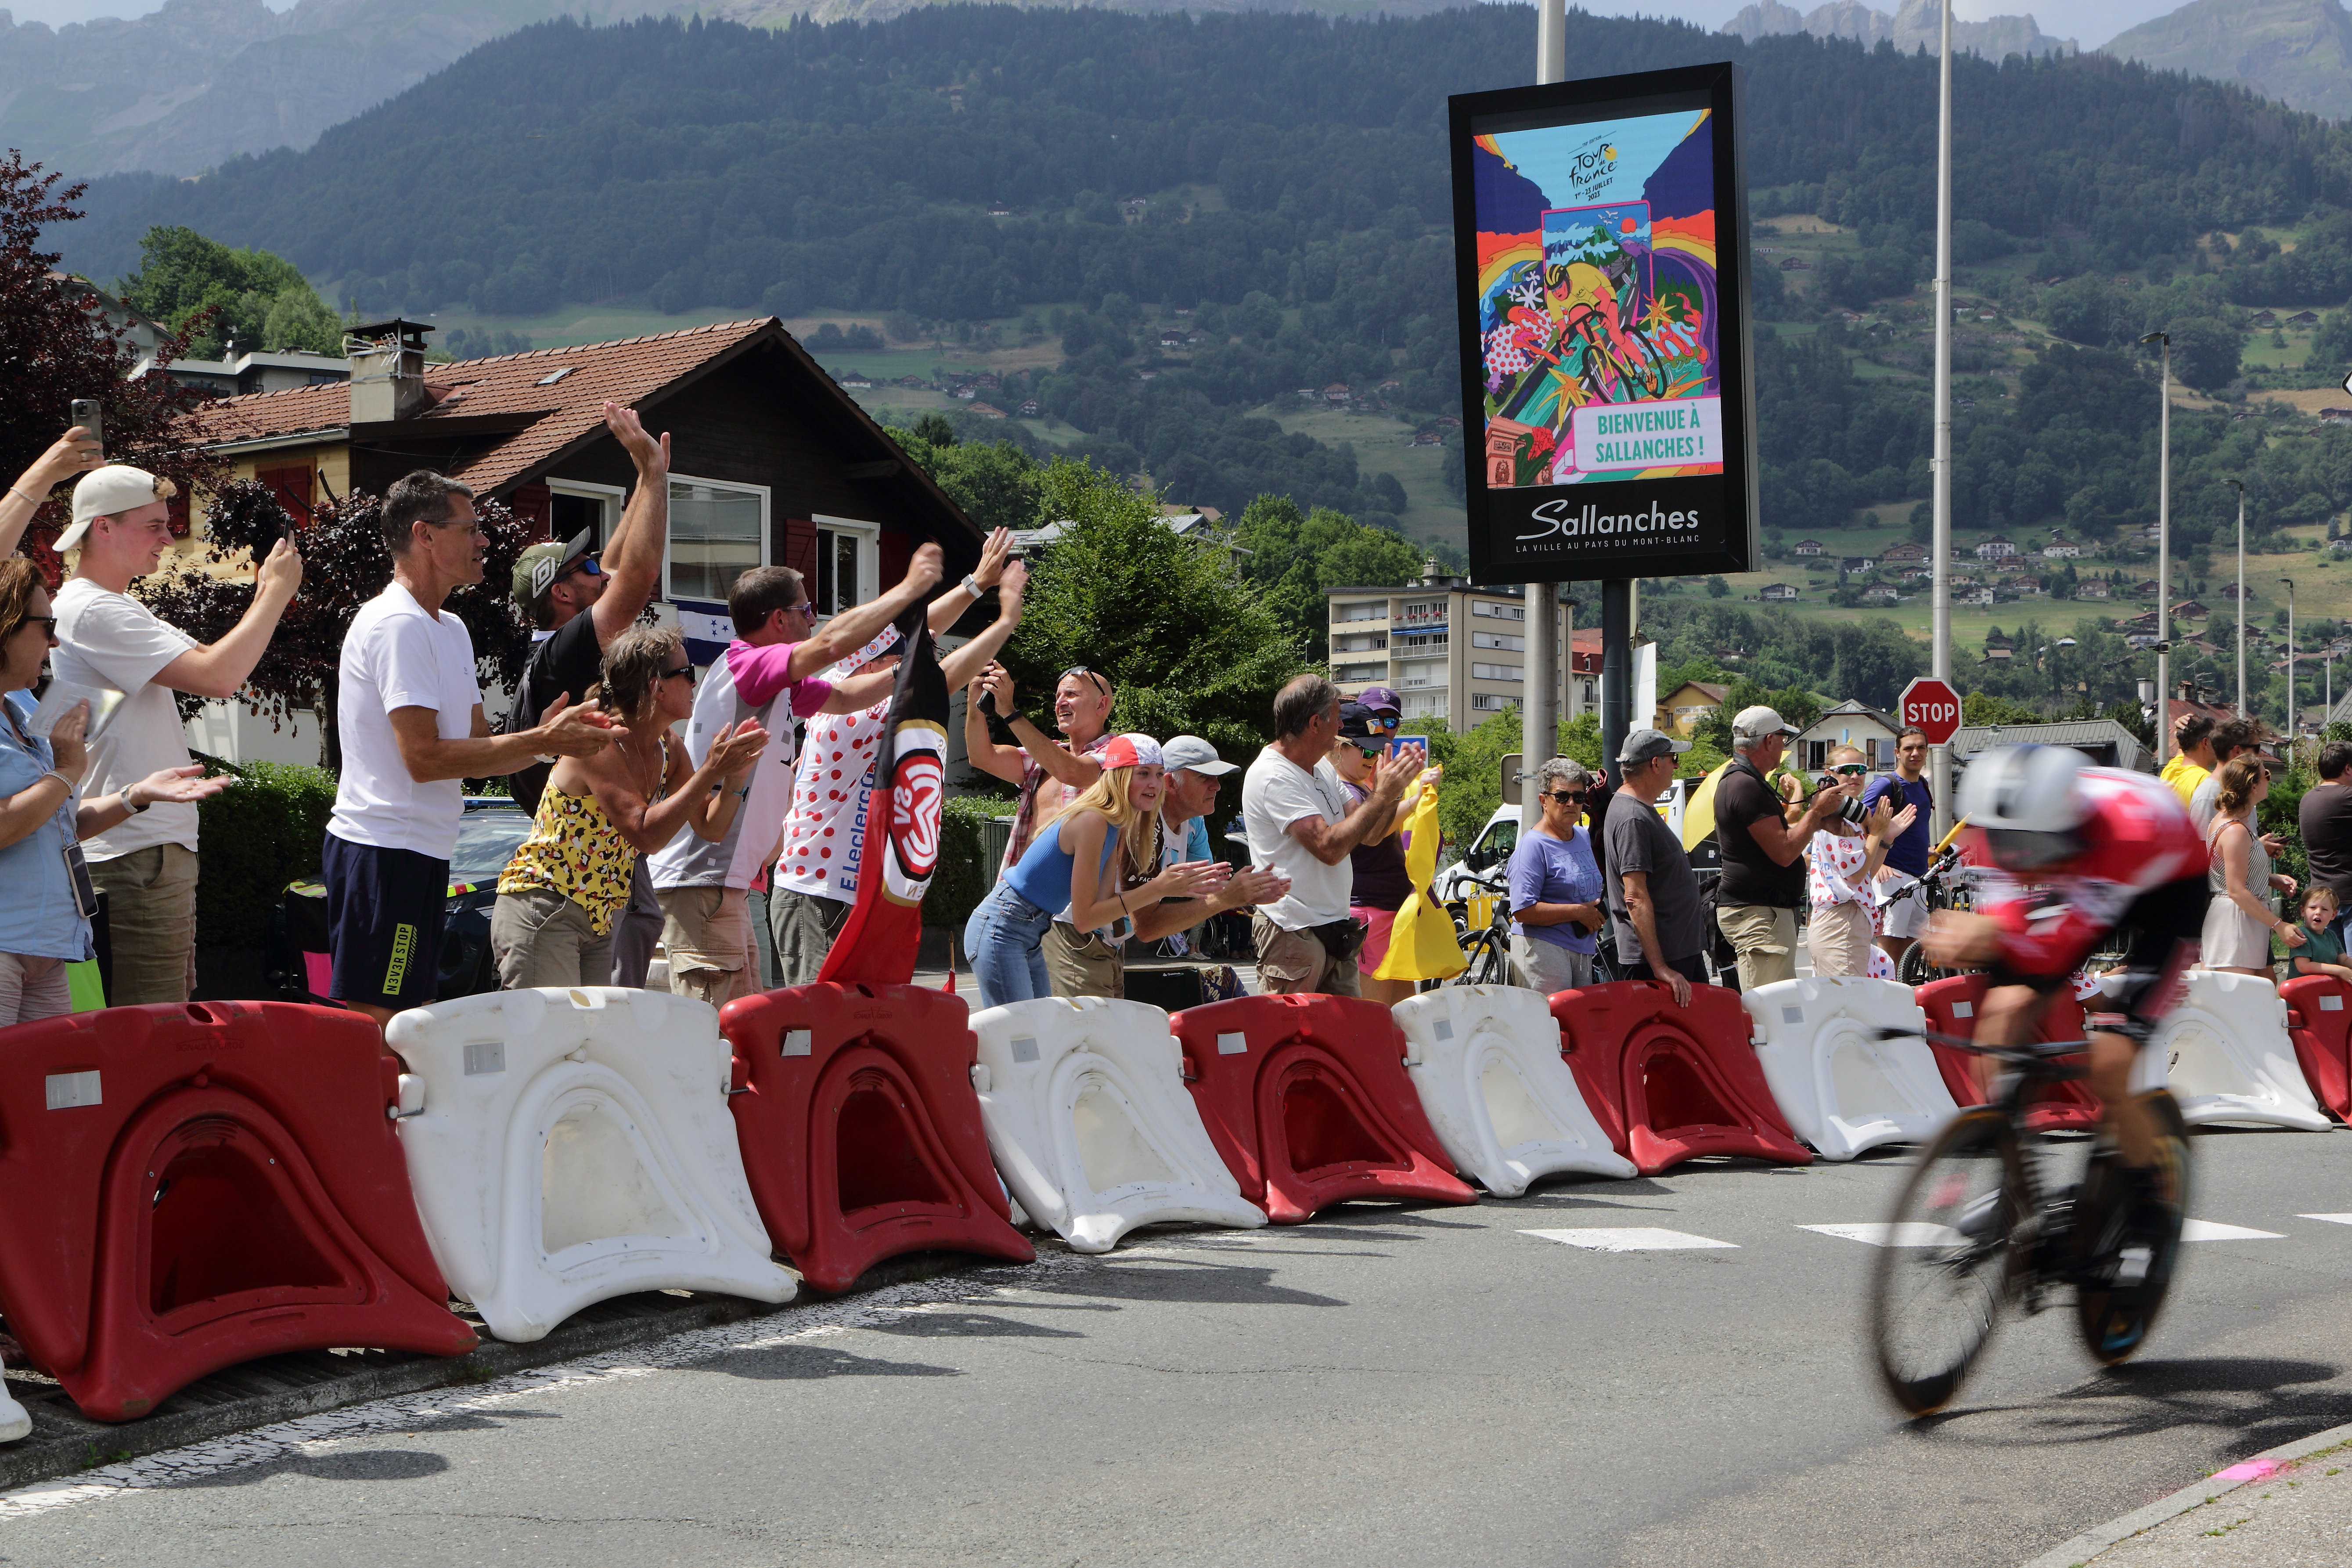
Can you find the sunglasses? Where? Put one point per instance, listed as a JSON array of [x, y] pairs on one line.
[[48, 624], [683, 671], [1098, 682], [587, 566], [1566, 796], [1851, 770]]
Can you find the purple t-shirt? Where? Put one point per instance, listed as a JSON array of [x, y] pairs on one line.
[[1547, 870]]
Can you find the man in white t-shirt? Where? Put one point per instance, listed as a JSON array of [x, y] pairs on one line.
[[1299, 822], [814, 885], [409, 711], [107, 640]]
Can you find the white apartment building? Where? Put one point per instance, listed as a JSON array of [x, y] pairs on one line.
[[1449, 650]]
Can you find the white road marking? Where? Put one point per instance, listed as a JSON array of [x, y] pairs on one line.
[[1630, 1238], [2330, 1218], [2209, 1230], [1910, 1233]]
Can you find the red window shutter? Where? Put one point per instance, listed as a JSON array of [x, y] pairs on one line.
[[533, 506], [897, 552], [800, 549], [291, 486]]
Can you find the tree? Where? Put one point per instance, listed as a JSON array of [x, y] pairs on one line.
[[2205, 352], [56, 346], [1716, 588], [344, 564], [1189, 649], [258, 300], [1294, 558], [996, 483]]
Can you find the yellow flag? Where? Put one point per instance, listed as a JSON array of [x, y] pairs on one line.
[[1421, 944]]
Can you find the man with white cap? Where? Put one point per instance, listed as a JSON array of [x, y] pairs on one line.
[[1092, 964], [1763, 849], [107, 640]]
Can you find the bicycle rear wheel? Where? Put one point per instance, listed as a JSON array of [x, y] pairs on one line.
[[1950, 1260], [1490, 960], [2122, 1260]]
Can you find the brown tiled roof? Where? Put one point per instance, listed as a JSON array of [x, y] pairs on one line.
[[626, 371]]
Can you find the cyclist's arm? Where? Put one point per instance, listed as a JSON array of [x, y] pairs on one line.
[[2049, 932]]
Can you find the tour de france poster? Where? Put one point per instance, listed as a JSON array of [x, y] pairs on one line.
[[1608, 403]]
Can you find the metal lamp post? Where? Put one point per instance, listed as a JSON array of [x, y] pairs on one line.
[[2240, 486], [2163, 548], [2290, 658], [1546, 659], [1939, 646]]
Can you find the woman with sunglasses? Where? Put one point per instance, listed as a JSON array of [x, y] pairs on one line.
[[568, 883], [1382, 884], [1555, 885], [45, 919], [1841, 867]]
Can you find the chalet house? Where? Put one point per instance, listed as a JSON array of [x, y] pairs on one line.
[[1994, 549], [2061, 548], [1972, 593], [1879, 596], [1895, 554], [2189, 610], [1856, 563], [1173, 337], [966, 392], [1997, 656], [987, 381], [2336, 415], [1850, 723], [770, 462], [1029, 409], [1680, 710], [2095, 588], [2148, 589], [2303, 318], [1806, 547], [2024, 587], [2265, 320], [1336, 393], [1774, 593]]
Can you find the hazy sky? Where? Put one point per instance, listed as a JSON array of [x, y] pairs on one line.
[[2089, 22]]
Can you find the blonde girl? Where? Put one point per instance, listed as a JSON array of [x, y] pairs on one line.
[[2239, 924], [1081, 859]]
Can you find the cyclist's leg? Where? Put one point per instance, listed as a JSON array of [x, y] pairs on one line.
[[2009, 1015], [2113, 1057], [2166, 923]]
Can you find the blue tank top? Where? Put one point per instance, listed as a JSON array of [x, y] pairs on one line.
[[1042, 874]]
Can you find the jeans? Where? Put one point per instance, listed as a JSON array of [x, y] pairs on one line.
[[1005, 941]]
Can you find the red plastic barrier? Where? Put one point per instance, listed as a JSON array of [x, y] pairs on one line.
[[861, 1130], [1952, 1006], [1307, 1101], [1670, 1083], [2319, 1022], [192, 1186]]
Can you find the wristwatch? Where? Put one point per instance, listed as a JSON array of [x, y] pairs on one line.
[[133, 810], [972, 584]]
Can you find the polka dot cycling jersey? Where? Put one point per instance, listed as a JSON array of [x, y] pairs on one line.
[[825, 826]]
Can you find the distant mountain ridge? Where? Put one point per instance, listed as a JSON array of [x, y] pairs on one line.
[[1919, 23], [2297, 51], [196, 83]]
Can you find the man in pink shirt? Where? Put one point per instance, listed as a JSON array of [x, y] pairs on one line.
[[770, 673]]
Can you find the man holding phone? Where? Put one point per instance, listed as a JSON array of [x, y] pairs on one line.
[[147, 864], [78, 451]]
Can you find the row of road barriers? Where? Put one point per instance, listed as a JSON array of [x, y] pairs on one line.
[[192, 1186]]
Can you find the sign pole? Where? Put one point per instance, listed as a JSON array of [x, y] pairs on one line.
[[1539, 700], [1939, 757]]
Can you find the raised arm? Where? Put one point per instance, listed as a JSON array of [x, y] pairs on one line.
[[632, 556], [220, 670], [950, 606], [998, 762], [1331, 842], [75, 452], [853, 628], [564, 730], [975, 656]]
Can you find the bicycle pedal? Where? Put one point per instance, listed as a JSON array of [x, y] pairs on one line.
[[2132, 1264]]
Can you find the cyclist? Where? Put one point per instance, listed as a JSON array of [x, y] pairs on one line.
[[2078, 852]]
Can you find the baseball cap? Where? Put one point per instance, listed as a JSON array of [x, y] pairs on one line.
[[1193, 755], [1380, 699], [1129, 751], [1756, 723], [110, 492], [1355, 723], [1643, 744], [537, 568]]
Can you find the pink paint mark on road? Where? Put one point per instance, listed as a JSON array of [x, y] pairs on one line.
[[2251, 1470]]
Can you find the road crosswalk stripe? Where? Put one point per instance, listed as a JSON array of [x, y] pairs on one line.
[[2330, 1218], [2209, 1230], [1630, 1238], [1910, 1233]]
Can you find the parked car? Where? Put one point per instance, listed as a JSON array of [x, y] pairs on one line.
[[487, 836], [1500, 835]]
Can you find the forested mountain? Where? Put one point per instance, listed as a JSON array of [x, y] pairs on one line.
[[2297, 51], [1300, 211]]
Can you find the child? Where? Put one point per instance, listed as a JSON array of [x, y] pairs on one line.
[[2322, 950]]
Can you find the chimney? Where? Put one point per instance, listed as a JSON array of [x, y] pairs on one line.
[[387, 360], [1431, 575]]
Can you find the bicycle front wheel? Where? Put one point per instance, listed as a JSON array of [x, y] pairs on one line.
[[1950, 1261], [2126, 1244]]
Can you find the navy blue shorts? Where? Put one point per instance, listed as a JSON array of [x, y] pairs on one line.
[[385, 909]]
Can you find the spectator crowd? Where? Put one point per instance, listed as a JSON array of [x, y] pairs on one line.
[[659, 799]]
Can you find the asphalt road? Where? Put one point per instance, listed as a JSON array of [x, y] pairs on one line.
[[1379, 1386]]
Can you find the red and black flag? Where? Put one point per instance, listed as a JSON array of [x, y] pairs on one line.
[[878, 942]]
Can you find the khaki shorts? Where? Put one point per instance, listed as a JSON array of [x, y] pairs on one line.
[[539, 937], [151, 924], [1295, 963], [1765, 939], [1085, 965], [707, 932], [803, 926], [1840, 938]]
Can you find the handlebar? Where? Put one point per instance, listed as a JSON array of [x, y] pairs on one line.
[[2034, 1053]]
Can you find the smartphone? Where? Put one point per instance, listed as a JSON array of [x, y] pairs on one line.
[[90, 415], [1400, 745]]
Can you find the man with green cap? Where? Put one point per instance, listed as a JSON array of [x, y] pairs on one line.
[[577, 604]]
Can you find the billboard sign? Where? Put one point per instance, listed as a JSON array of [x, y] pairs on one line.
[[1609, 407]]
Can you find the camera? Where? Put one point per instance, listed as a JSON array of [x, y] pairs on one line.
[[1855, 811]]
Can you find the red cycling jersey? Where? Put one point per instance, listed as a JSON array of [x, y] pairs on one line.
[[2136, 835]]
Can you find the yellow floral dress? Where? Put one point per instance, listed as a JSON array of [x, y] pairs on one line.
[[574, 849]]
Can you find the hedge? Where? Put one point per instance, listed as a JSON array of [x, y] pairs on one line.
[[254, 838], [961, 880]]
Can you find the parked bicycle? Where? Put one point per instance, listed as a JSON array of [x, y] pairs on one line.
[[1946, 886], [1981, 1226], [1488, 947]]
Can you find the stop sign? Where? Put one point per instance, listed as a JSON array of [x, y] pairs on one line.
[[1930, 705]]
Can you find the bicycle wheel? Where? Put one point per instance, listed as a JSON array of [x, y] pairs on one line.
[[1950, 1261], [1915, 969], [2123, 1259], [1489, 963]]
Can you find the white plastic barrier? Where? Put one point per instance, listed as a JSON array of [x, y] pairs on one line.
[[15, 1420], [1090, 1124], [1486, 1061], [1843, 1089], [2225, 1050], [571, 1146]]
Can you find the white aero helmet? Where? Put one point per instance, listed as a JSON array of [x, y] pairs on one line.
[[2024, 789]]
